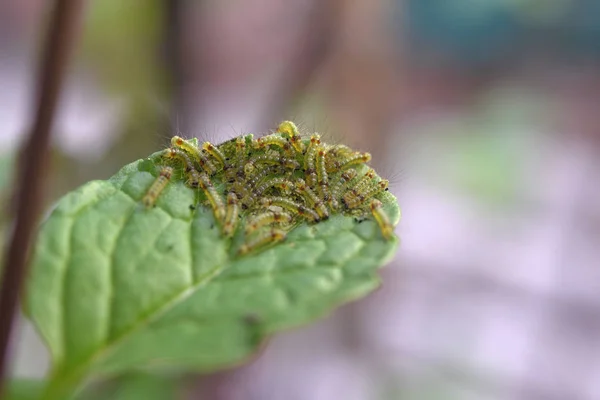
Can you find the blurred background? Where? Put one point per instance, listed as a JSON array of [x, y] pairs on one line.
[[485, 115]]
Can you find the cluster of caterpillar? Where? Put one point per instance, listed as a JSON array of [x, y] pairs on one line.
[[275, 182]]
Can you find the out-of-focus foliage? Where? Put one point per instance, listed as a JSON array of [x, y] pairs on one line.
[[24, 389], [120, 42], [487, 153]]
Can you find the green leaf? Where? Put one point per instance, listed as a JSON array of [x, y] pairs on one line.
[[24, 389], [130, 386], [115, 287], [133, 386], [144, 386]]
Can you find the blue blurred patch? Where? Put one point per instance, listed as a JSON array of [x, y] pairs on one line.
[[476, 32]]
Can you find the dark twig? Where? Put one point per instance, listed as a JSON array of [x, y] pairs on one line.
[[59, 40]]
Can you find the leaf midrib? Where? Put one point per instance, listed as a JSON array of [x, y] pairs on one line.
[[152, 315], [61, 374]]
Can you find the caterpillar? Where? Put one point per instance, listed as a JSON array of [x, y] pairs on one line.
[[180, 155], [290, 130], [386, 227], [281, 183], [354, 198], [231, 215], [309, 159], [198, 156], [345, 178], [159, 184], [278, 141], [294, 207], [213, 197], [311, 198], [214, 152], [270, 159], [266, 218], [323, 179], [356, 159], [336, 156], [270, 237]]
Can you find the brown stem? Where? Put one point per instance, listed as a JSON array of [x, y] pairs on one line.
[[28, 194]]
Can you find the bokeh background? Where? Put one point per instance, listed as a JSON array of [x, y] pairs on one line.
[[484, 113]]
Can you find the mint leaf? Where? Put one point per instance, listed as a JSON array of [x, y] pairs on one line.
[[116, 287]]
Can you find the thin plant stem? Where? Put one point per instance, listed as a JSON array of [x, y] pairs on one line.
[[28, 195]]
